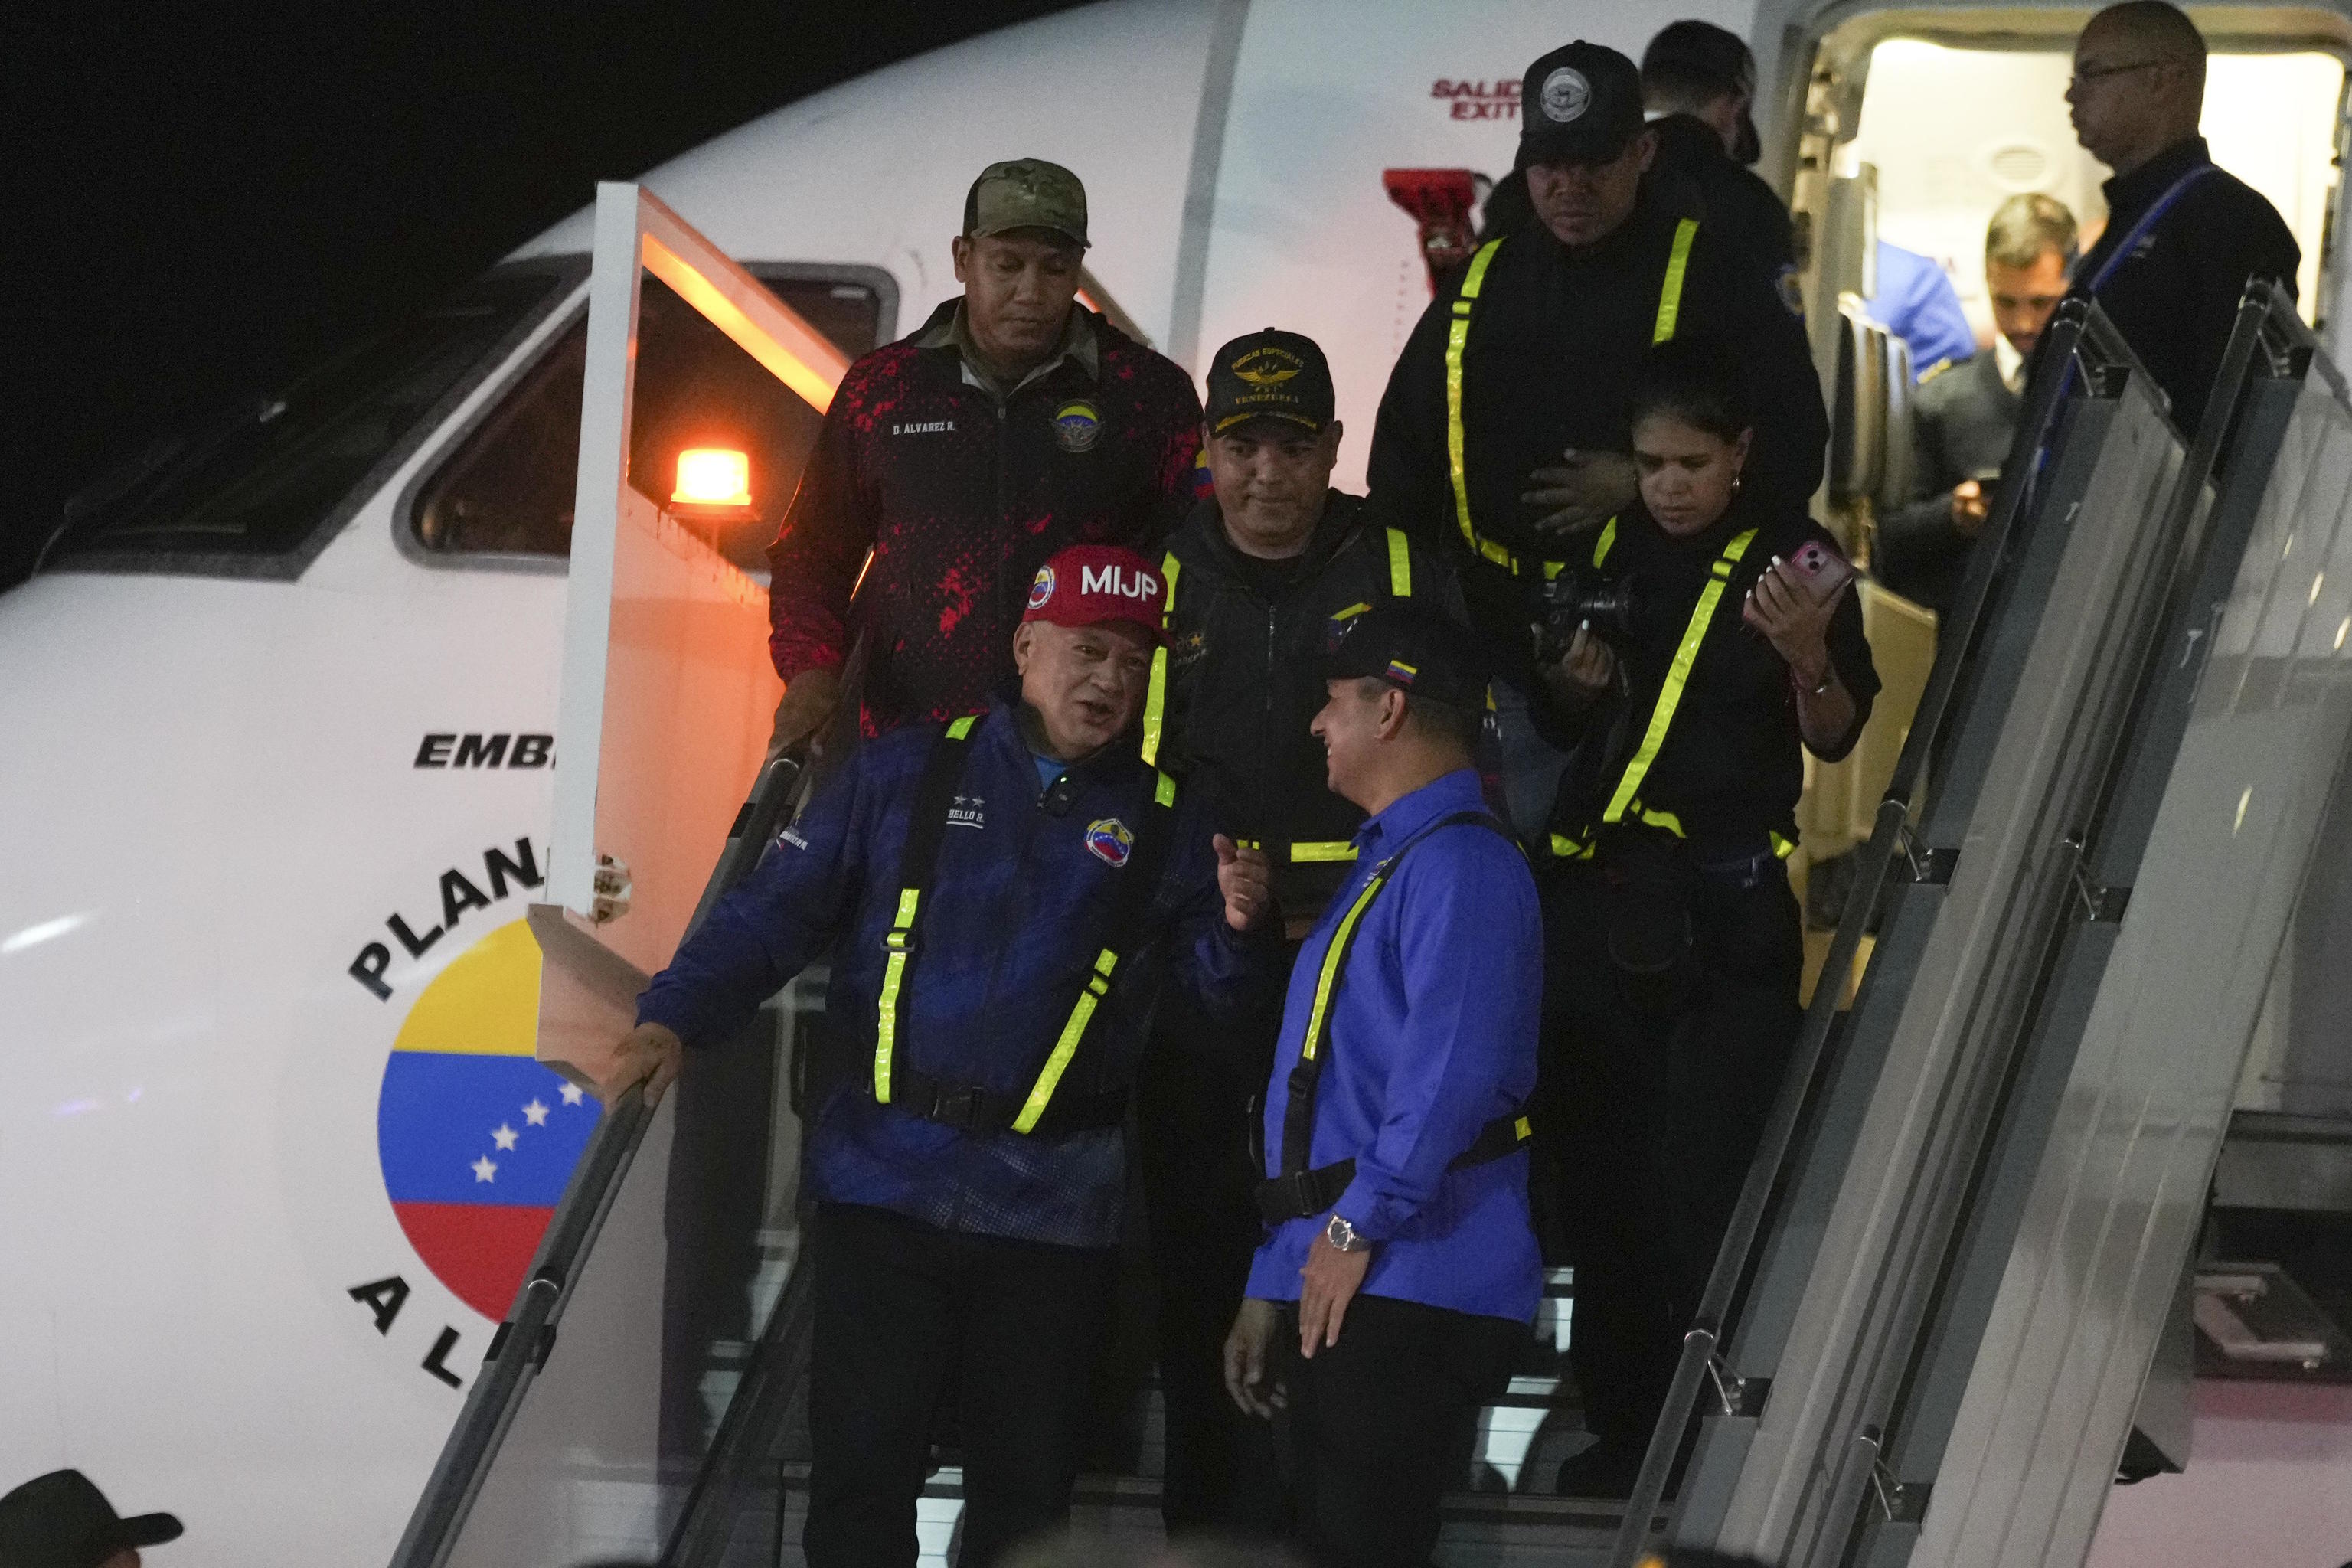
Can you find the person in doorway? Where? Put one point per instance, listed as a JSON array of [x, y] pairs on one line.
[[1257, 578], [1673, 941], [62, 1520], [1013, 422], [2182, 236], [1502, 435], [1400, 1269], [1698, 84], [1965, 416], [1000, 897]]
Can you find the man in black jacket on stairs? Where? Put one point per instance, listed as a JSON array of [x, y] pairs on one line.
[[1258, 578]]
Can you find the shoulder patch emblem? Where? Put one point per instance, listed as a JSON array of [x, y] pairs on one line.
[[1792, 290], [1109, 840], [1078, 425]]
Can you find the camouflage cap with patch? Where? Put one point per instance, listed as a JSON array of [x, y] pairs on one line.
[[1026, 193]]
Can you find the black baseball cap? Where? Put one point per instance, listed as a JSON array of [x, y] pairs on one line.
[[1701, 57], [1270, 375], [62, 1520], [1580, 104], [1413, 649]]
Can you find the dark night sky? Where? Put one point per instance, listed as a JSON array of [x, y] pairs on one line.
[[232, 193]]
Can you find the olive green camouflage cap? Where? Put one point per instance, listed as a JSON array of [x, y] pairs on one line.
[[1026, 193]]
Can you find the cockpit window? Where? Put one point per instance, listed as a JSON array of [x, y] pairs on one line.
[[249, 489], [509, 489]]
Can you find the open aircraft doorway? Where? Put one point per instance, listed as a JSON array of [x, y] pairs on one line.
[[1931, 118]]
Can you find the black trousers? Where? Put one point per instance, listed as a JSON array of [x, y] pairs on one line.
[[1656, 1113], [1192, 1120], [899, 1305], [1381, 1425]]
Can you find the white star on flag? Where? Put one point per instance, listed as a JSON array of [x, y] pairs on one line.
[[484, 1171], [572, 1095], [535, 1113], [505, 1136]]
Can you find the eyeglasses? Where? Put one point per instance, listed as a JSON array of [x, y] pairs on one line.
[[2087, 76]]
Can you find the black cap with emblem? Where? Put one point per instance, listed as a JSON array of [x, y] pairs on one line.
[[1580, 104], [1270, 375], [1413, 648]]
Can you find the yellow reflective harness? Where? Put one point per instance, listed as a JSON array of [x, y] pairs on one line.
[[1300, 1191], [1625, 800], [1155, 701], [971, 1106], [1457, 342]]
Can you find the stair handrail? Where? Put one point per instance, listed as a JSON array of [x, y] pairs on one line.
[[2080, 343], [522, 1343]]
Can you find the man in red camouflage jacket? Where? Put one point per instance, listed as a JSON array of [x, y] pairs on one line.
[[1013, 423]]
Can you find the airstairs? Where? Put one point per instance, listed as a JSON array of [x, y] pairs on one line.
[[1954, 1299]]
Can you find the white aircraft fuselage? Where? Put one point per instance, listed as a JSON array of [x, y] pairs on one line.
[[248, 819]]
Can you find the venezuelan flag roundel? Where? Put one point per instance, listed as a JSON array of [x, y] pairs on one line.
[[477, 1138]]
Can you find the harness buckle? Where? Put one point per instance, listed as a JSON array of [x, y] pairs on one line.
[[956, 1105], [1298, 1191], [898, 939]]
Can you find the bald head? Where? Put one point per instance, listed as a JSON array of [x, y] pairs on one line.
[[2140, 83]]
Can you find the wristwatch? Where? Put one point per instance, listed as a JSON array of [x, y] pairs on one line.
[[1342, 1236]]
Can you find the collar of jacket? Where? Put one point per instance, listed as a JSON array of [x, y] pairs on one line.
[[2129, 194], [1342, 518], [1408, 814], [949, 329]]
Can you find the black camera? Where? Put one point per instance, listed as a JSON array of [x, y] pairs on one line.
[[1605, 605]]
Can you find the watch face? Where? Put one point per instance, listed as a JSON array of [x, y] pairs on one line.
[[1339, 1233]]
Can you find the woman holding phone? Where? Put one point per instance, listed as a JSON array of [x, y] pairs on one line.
[[1723, 641]]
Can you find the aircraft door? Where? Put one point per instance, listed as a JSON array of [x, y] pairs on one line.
[[662, 719], [667, 688]]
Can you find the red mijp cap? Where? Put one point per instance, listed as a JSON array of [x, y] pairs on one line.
[[1087, 585]]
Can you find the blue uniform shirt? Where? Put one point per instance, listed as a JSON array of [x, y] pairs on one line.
[[1432, 1035], [1918, 304], [1016, 914]]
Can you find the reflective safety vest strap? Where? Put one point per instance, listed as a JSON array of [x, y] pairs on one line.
[[1399, 564], [1669, 295], [969, 1106], [1155, 701], [926, 829], [1670, 694], [1457, 340], [1139, 879], [1302, 851], [1602, 546], [1298, 1113]]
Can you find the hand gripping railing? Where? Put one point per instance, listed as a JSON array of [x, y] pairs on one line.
[[521, 1344], [2081, 343]]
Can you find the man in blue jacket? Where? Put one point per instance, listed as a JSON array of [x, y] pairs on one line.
[[1399, 1250], [1000, 897]]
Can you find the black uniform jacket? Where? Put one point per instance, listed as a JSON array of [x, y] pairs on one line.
[[2175, 297], [1962, 418], [1731, 767], [1556, 339], [961, 494], [1697, 178], [1245, 677]]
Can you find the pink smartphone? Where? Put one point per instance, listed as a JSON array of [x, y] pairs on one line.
[[1821, 569]]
